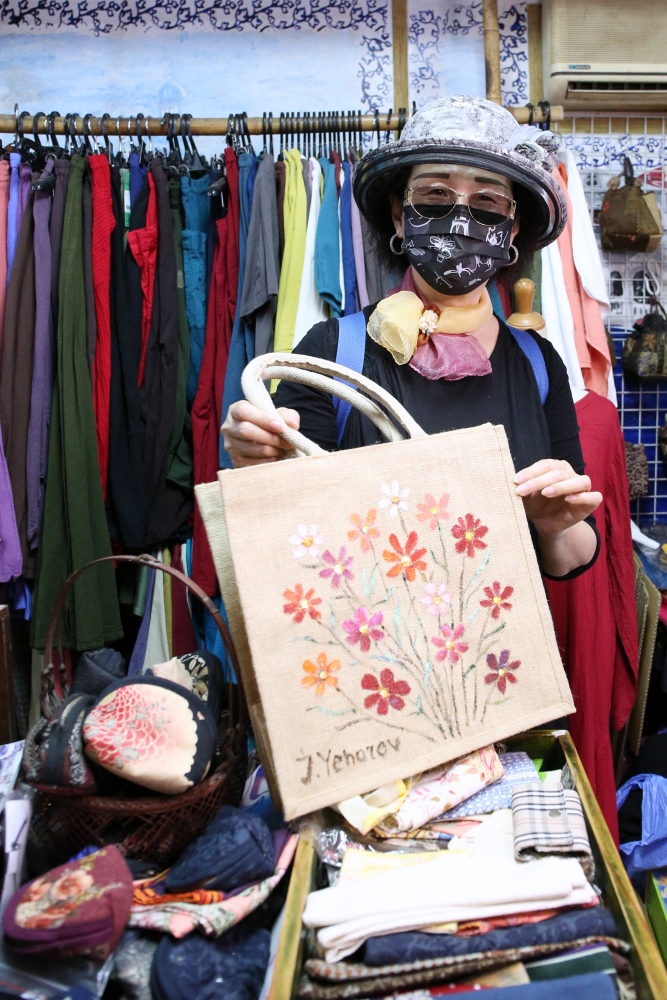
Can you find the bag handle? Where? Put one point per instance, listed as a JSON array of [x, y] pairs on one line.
[[49, 704], [324, 375], [628, 172]]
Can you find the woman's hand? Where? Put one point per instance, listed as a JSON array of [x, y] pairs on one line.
[[554, 496], [556, 500], [252, 436]]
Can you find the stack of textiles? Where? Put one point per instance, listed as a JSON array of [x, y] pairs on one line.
[[475, 876]]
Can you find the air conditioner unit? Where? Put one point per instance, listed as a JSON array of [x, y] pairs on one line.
[[605, 55]]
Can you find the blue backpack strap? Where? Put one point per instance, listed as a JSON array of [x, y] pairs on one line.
[[350, 353], [536, 358]]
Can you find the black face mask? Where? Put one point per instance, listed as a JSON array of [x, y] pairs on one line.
[[456, 254]]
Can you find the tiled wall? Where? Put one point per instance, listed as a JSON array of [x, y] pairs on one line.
[[599, 144]]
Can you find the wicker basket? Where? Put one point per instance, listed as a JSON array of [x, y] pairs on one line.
[[156, 827]]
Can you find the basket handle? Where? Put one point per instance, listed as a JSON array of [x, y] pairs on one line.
[[49, 670], [329, 377]]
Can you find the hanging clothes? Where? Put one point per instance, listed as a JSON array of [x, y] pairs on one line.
[[295, 246], [138, 176], [589, 333], [11, 560], [144, 243], [347, 248], [42, 371], [595, 614], [327, 244], [12, 210], [311, 309], [88, 281], [180, 469], [206, 415], [280, 196], [62, 169], [557, 314], [127, 508], [261, 280], [242, 346], [169, 506], [358, 248], [75, 530], [195, 237], [16, 363], [183, 633], [4, 204], [103, 226]]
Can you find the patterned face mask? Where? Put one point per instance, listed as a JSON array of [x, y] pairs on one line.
[[455, 254]]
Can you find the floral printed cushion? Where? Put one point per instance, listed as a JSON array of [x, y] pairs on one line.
[[80, 908], [153, 732]]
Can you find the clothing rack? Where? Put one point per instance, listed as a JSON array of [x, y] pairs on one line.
[[285, 123]]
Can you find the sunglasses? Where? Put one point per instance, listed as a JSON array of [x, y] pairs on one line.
[[436, 201]]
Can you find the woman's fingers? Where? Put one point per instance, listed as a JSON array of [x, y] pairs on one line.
[[592, 500], [252, 436], [554, 482]]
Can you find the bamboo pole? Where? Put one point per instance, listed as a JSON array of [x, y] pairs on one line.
[[399, 44], [492, 50], [219, 126]]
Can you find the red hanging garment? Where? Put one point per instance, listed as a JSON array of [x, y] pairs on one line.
[[595, 614], [207, 407], [143, 244], [104, 224]]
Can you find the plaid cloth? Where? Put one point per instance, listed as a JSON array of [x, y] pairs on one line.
[[549, 821]]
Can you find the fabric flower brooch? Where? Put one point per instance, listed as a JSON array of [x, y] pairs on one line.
[[402, 323]]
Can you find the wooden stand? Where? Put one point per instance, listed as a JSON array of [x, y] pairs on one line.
[[525, 318]]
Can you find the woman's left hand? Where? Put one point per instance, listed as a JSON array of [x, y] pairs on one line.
[[554, 496]]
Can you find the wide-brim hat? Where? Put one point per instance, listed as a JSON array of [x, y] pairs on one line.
[[468, 131]]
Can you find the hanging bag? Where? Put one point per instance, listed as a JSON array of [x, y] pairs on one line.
[[629, 218], [386, 602]]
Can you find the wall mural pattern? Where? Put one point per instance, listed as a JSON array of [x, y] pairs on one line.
[[243, 54], [447, 50]]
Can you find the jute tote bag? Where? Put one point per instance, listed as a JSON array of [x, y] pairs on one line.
[[385, 602]]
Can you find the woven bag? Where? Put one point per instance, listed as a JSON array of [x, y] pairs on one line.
[[152, 826], [629, 217], [386, 602]]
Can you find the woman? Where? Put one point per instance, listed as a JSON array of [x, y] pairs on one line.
[[462, 194]]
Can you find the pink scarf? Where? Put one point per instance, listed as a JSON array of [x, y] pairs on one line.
[[445, 355]]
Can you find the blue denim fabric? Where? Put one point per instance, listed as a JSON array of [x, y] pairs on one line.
[[196, 294], [349, 270], [208, 636], [413, 946], [242, 344], [12, 206], [138, 176], [196, 207], [196, 203], [327, 243]]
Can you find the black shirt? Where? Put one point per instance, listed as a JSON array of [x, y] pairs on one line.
[[507, 396]]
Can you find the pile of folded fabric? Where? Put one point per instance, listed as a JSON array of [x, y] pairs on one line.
[[475, 876]]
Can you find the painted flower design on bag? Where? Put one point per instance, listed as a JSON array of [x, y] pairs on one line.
[[320, 675], [394, 497], [497, 599], [365, 530], [306, 541], [450, 647], [406, 560], [300, 604], [469, 534], [387, 692], [337, 569], [372, 609], [436, 599], [364, 628], [501, 670], [433, 510]]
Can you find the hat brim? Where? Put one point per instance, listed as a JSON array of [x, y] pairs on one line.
[[546, 198]]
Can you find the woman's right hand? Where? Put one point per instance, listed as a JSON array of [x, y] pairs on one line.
[[252, 436]]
